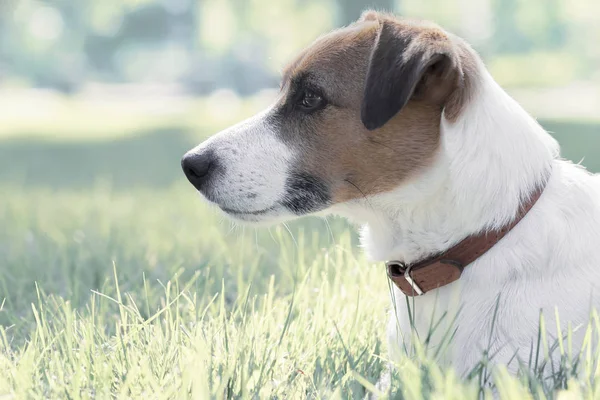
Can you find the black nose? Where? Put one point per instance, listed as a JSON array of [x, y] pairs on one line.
[[198, 167]]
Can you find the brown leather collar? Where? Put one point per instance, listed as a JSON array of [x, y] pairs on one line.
[[442, 269]]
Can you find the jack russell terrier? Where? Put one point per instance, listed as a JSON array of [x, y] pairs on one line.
[[397, 125]]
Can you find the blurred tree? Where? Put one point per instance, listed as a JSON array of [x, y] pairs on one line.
[[350, 10], [555, 24], [242, 44], [531, 25], [508, 37]]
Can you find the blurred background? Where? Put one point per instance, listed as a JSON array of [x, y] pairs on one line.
[[99, 99], [118, 89]]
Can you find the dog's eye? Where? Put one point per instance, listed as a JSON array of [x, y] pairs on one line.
[[310, 100]]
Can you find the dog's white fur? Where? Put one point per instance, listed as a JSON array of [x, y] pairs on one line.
[[491, 159]]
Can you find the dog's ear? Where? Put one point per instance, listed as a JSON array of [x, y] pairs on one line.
[[405, 64]]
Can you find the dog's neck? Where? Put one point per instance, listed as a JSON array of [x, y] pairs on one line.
[[490, 159]]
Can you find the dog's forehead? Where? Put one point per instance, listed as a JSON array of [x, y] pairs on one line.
[[336, 51], [348, 49]]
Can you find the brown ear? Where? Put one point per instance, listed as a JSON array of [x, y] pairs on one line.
[[405, 64]]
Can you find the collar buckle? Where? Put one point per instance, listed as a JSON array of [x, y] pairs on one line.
[[398, 269]]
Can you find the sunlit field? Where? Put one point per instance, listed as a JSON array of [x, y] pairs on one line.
[[117, 281]]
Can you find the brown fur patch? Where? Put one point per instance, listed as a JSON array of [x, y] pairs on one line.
[[335, 145]]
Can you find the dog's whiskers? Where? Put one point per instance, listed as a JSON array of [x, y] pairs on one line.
[[330, 231], [291, 234], [377, 214], [381, 144], [361, 192]]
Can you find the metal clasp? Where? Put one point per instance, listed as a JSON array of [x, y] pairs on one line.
[[395, 268], [412, 283]]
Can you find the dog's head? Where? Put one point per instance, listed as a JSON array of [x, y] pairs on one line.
[[358, 114]]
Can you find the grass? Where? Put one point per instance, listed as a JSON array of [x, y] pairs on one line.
[[118, 282]]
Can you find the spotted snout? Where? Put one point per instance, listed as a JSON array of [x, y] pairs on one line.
[[251, 174]]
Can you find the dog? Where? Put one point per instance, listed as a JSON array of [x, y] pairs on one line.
[[397, 125]]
